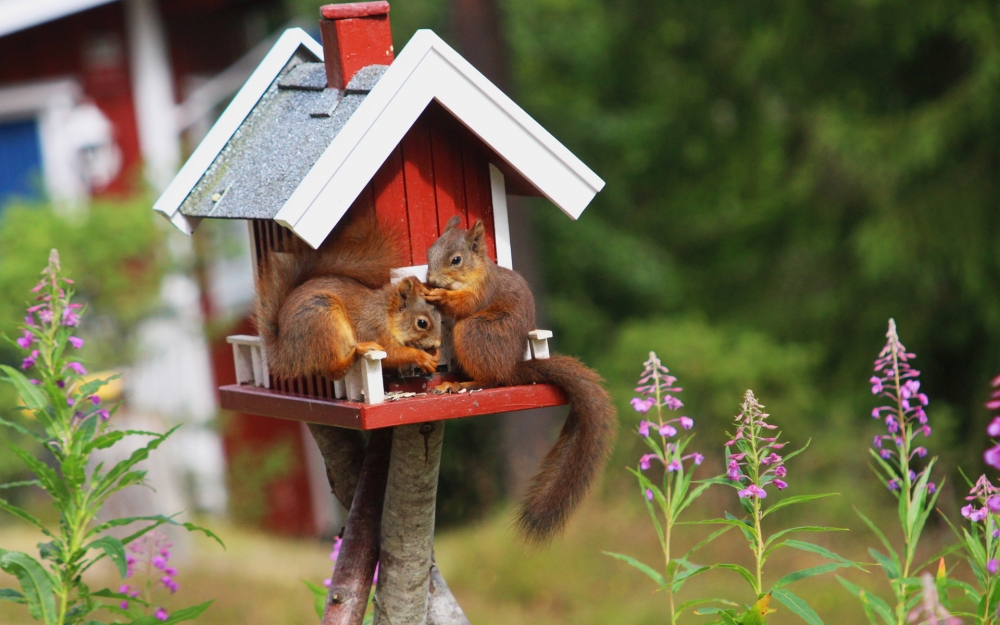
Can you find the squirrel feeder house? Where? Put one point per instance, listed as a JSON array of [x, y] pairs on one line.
[[323, 133], [319, 131]]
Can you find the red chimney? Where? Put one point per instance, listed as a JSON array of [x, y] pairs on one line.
[[355, 35]]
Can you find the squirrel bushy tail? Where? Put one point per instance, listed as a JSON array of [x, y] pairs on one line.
[[579, 454], [359, 248]]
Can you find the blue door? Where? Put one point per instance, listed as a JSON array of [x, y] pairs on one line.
[[20, 160]]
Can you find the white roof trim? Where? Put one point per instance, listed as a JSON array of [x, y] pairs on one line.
[[428, 68], [16, 15], [177, 191]]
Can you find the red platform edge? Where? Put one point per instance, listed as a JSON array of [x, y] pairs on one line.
[[359, 416]]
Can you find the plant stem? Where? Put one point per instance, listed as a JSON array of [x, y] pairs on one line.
[[667, 516], [905, 488]]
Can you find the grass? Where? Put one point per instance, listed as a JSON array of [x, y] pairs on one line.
[[495, 578]]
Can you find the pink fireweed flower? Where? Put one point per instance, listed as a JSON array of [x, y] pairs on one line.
[[26, 339], [103, 414], [94, 399], [77, 368], [656, 387], [905, 418], [161, 614], [931, 487], [642, 405], [29, 362], [993, 566], [76, 342], [752, 491], [755, 460], [649, 495]]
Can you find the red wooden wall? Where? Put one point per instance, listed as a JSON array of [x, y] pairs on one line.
[[438, 170], [288, 500]]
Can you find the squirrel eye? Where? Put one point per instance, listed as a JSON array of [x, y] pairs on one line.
[[422, 323], [456, 260]]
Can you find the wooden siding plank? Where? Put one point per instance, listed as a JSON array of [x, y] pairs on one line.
[[477, 190], [390, 199], [418, 176], [449, 169]]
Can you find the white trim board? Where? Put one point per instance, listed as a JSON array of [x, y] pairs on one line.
[[229, 122], [428, 68], [18, 15], [501, 226]]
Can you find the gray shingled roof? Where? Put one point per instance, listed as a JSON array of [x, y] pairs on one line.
[[277, 144]]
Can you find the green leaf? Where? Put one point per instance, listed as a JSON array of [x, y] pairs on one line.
[[187, 614], [757, 614], [108, 482], [36, 584], [878, 533], [23, 430], [33, 398], [114, 549], [9, 594], [810, 572], [745, 574], [804, 528], [872, 604], [94, 385], [797, 606], [694, 602], [707, 540], [22, 514], [823, 551], [319, 596], [648, 570], [688, 574], [888, 565], [790, 501], [50, 481]]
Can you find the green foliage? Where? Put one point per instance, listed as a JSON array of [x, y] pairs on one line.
[[115, 248], [66, 415], [753, 466], [798, 170]]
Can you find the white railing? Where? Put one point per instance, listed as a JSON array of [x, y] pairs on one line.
[[363, 381]]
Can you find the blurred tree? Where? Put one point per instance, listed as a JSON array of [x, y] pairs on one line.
[[798, 169]]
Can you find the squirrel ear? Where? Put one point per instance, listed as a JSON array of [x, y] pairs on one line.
[[452, 223], [476, 235], [407, 289]]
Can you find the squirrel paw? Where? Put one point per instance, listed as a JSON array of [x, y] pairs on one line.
[[435, 295], [454, 387], [368, 346], [427, 362], [447, 387]]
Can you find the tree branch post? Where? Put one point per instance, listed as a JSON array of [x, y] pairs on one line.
[[407, 543], [359, 551]]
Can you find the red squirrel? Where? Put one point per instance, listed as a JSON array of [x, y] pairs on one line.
[[494, 310], [318, 312]]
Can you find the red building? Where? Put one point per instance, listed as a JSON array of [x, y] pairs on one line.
[[94, 91]]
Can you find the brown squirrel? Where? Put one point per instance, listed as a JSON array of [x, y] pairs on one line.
[[494, 311], [318, 312]]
